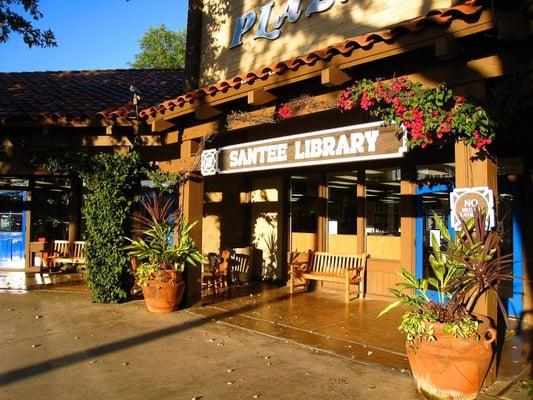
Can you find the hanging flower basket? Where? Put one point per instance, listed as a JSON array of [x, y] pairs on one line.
[[431, 116]]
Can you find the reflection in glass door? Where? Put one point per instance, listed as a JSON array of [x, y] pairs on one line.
[[430, 201], [12, 224], [510, 225]]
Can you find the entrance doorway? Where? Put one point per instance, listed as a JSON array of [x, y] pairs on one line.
[[12, 229], [431, 201]]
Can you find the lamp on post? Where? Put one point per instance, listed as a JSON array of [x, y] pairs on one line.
[[136, 99]]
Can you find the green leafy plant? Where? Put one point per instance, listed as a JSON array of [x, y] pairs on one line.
[[430, 115], [111, 183], [465, 268], [155, 247]]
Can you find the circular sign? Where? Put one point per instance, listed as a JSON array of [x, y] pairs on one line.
[[467, 202]]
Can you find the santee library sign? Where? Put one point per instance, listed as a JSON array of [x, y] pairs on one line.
[[370, 141]]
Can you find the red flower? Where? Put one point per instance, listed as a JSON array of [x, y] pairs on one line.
[[346, 102], [459, 100], [366, 101], [284, 112]]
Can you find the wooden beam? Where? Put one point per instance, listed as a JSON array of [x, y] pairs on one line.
[[446, 48], [79, 141], [160, 125], [334, 76], [260, 96], [109, 130], [205, 111]]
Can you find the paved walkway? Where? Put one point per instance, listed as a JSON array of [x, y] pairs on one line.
[[61, 346]]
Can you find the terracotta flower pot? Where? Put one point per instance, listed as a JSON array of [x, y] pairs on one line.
[[163, 294], [452, 368]]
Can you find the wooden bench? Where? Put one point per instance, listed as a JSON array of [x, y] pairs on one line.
[[65, 252], [326, 267]]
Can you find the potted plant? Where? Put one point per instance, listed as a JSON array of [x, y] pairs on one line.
[[161, 251], [449, 347]]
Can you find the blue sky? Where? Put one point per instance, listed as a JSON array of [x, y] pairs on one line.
[[91, 34]]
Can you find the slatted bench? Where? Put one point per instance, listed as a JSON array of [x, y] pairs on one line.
[[65, 252], [326, 267]]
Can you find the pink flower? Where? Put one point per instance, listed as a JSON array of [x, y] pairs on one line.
[[345, 102], [366, 101], [459, 100], [284, 112]]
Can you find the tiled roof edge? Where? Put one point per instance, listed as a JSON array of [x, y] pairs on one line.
[[440, 17]]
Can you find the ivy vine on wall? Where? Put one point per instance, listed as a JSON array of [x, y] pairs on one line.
[[112, 183]]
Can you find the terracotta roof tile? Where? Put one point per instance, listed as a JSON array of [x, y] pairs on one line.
[[439, 17], [82, 95]]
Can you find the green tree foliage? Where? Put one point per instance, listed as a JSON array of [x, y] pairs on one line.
[[13, 21], [161, 48]]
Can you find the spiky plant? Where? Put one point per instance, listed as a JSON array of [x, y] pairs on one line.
[[155, 247], [467, 267]]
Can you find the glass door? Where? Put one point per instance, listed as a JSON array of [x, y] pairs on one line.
[[431, 200], [510, 225], [303, 212], [12, 229]]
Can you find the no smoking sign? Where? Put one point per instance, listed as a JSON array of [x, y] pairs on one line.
[[465, 200]]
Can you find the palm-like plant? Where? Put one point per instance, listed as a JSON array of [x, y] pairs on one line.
[[155, 248], [467, 267]]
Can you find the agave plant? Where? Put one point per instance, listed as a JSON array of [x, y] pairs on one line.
[[163, 240], [465, 268]]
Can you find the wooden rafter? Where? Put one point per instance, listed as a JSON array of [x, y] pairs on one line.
[[260, 96], [334, 76], [205, 111]]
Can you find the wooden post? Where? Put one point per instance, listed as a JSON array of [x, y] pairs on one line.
[[470, 172], [361, 217], [27, 229], [74, 209], [192, 200], [322, 221], [408, 218]]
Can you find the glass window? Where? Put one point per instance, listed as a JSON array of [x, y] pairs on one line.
[[51, 203], [383, 201], [435, 173], [304, 212], [342, 203]]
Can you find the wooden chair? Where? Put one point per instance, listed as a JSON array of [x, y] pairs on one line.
[[241, 268], [210, 274], [224, 267]]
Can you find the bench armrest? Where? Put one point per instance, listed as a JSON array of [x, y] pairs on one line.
[[354, 269], [298, 267]]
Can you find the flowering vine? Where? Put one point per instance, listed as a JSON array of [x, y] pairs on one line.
[[430, 115]]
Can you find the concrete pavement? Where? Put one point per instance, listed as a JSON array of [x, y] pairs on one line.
[[61, 346]]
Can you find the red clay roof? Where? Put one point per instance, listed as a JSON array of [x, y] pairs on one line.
[[82, 95], [439, 17]]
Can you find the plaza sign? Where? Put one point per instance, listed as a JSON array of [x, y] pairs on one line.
[[292, 12], [361, 142], [465, 200]]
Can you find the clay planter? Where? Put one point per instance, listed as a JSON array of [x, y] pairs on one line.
[[163, 295], [452, 368]]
